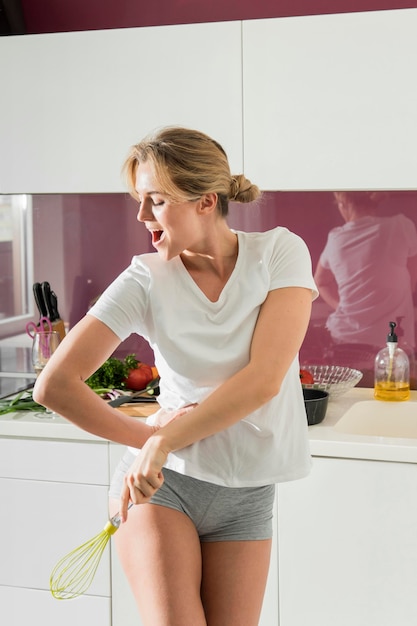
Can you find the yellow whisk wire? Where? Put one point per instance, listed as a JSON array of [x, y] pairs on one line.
[[74, 573]]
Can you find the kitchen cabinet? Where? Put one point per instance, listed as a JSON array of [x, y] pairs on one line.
[[75, 102], [293, 102], [344, 550], [348, 546], [54, 496], [329, 102], [32, 606]]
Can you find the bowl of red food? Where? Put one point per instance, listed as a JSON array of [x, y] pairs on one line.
[[335, 379]]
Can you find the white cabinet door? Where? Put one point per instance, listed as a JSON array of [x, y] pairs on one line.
[[41, 522], [24, 607], [60, 461], [73, 103], [348, 545], [330, 102]]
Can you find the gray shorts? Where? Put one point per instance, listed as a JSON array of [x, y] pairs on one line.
[[218, 513]]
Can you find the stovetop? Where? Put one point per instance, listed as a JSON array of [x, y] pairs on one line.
[[10, 385], [16, 372]]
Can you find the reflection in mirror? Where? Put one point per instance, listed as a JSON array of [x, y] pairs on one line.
[[364, 253], [367, 274], [16, 262], [83, 241]]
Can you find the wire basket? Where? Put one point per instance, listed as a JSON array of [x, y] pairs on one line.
[[335, 379]]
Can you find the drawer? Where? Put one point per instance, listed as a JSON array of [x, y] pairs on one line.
[[53, 460], [30, 606]]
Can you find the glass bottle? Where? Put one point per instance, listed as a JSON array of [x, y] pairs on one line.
[[392, 371]]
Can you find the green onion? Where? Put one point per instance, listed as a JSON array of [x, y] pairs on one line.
[[23, 401]]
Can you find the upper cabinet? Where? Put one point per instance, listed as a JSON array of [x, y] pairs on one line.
[[301, 103], [73, 103], [330, 101]]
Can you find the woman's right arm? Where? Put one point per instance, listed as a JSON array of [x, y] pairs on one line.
[[61, 385]]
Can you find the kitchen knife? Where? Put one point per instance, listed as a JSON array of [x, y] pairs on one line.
[[51, 303], [50, 300], [39, 300]]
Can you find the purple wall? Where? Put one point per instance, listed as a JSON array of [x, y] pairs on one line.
[[93, 237]]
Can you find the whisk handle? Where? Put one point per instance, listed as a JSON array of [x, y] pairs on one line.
[[114, 522]]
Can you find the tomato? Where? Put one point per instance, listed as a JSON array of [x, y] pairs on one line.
[[306, 377], [139, 377]]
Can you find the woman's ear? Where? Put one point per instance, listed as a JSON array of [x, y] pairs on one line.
[[208, 203]]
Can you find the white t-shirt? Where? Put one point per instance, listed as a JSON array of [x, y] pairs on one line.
[[368, 258], [198, 344]]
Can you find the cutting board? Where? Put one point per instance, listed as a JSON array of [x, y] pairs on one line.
[[136, 409]]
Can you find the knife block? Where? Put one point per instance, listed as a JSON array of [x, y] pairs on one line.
[[58, 326]]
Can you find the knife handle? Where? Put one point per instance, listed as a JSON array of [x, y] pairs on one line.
[[39, 300]]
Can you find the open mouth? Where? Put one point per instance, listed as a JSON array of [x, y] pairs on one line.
[[157, 235]]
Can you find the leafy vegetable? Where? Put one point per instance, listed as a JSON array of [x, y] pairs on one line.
[[112, 374]]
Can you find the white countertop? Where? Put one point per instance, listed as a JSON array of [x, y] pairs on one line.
[[324, 439]]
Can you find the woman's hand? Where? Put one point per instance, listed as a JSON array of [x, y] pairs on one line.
[[163, 417], [144, 477]]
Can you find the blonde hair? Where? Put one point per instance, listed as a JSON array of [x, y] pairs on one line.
[[188, 164]]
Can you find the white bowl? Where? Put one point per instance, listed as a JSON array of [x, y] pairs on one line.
[[335, 379]]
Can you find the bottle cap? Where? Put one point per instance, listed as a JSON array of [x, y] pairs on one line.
[[392, 337]]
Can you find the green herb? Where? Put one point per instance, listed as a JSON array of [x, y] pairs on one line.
[[112, 374], [22, 402]]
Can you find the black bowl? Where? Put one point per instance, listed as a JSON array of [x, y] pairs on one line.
[[315, 402]]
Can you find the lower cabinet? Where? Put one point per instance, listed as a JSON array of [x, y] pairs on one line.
[[344, 549], [21, 607], [54, 498], [348, 545]]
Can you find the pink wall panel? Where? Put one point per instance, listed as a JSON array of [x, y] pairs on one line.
[[99, 235]]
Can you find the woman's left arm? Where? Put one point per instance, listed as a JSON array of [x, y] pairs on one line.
[[280, 329]]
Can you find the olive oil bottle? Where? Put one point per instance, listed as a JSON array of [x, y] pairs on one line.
[[392, 371]]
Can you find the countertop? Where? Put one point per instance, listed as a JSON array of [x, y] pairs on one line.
[[325, 440], [328, 442]]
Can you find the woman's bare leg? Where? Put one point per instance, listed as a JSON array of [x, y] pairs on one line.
[[161, 555], [234, 581]]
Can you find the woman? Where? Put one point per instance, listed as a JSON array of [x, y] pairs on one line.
[[225, 314]]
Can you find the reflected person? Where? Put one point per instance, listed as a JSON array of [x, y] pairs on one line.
[[367, 272]]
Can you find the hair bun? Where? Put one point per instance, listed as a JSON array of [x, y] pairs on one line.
[[234, 188], [242, 190]]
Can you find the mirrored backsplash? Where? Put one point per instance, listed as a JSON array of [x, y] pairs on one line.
[[363, 247]]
